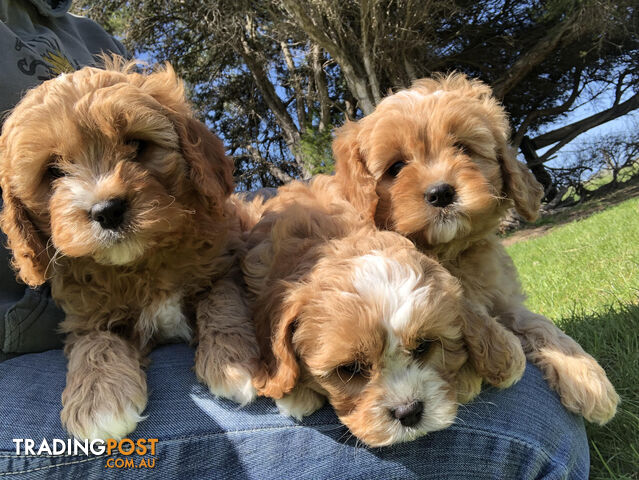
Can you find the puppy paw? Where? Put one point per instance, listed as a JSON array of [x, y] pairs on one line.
[[300, 403], [105, 393], [495, 353], [84, 420], [227, 353], [582, 385], [229, 381], [468, 384], [506, 362], [220, 370], [512, 369]]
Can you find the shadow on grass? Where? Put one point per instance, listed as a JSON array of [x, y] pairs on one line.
[[604, 197], [598, 201], [613, 339]]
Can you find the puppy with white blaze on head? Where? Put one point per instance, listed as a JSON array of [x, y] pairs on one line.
[[358, 316], [119, 197], [433, 163]]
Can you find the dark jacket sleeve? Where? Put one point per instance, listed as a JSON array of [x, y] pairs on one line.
[[39, 40]]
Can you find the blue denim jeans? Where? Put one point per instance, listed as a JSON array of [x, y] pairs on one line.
[[519, 433]]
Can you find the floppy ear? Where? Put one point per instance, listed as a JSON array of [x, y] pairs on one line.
[[495, 353], [520, 185], [210, 170], [30, 257], [351, 172], [279, 369]]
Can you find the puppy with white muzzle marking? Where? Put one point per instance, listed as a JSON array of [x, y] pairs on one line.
[[115, 193], [346, 312], [433, 163]]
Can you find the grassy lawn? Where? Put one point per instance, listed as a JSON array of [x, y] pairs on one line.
[[585, 276], [584, 266]]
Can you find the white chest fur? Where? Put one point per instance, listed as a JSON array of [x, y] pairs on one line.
[[164, 321]]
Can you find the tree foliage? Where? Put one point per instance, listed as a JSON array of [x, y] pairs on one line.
[[273, 76], [599, 164]]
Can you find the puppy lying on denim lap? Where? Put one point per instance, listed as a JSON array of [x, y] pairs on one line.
[[433, 163], [346, 312], [115, 193]]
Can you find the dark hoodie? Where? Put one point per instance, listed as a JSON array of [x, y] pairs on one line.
[[39, 39]]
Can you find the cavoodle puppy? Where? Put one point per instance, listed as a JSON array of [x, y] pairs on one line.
[[433, 163], [115, 193], [359, 316]]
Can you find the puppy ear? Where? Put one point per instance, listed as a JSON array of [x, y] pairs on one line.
[[210, 170], [30, 258], [495, 353], [520, 185], [279, 369], [351, 173]]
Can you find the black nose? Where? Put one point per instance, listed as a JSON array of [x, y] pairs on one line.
[[440, 195], [110, 213], [410, 414]]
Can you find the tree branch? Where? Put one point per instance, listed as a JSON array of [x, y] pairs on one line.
[[357, 83], [367, 50], [532, 58], [275, 104], [534, 115], [574, 129], [275, 171], [322, 89], [297, 86]]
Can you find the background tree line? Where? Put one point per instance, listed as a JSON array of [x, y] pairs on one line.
[[274, 77]]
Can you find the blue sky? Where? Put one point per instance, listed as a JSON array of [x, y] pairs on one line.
[[620, 125]]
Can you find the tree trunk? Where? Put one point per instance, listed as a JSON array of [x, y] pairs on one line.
[[357, 84], [538, 170], [297, 87], [367, 21], [319, 76], [284, 120]]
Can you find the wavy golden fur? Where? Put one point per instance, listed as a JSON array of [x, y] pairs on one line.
[[448, 134], [167, 271], [328, 290]]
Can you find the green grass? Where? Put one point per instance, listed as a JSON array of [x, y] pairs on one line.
[[585, 276], [584, 266], [612, 338]]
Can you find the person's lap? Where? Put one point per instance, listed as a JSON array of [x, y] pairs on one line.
[[521, 432]]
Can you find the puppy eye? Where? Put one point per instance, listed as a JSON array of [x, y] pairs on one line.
[[463, 148], [350, 370], [54, 172], [138, 146], [422, 348], [395, 168]]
